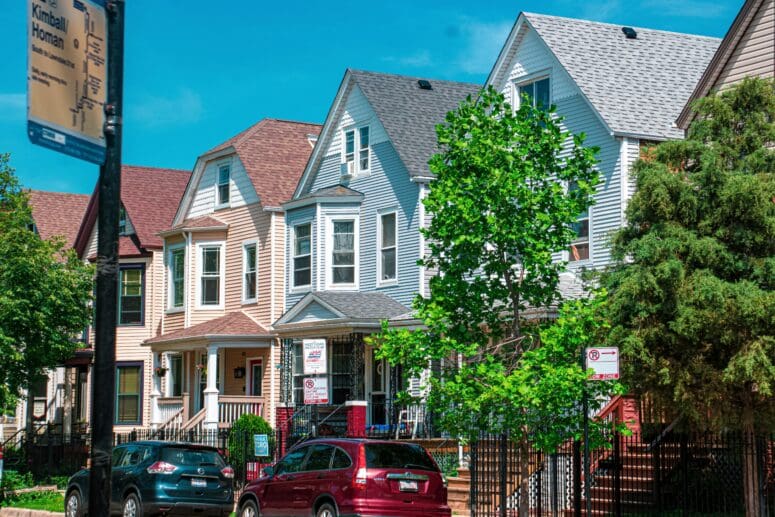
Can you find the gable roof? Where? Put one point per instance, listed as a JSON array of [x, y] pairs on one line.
[[637, 86], [408, 113], [349, 305], [724, 52], [150, 197], [58, 214], [233, 325]]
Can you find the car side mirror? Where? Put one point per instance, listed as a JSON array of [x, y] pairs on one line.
[[269, 471]]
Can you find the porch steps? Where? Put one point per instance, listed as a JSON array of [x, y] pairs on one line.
[[459, 493]]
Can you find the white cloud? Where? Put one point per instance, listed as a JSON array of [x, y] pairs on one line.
[[601, 11], [483, 42], [13, 106], [419, 59], [153, 111]]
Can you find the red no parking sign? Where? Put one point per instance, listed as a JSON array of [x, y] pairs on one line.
[[604, 362]]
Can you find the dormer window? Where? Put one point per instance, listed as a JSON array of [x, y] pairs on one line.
[[224, 173], [579, 248], [122, 221], [356, 147], [537, 92]]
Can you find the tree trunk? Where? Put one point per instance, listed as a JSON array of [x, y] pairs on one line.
[[750, 464], [524, 476]]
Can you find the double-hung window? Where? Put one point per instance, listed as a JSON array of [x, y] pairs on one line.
[[130, 295], [388, 245], [343, 251], [537, 93], [177, 276], [224, 173], [176, 375], [579, 248], [210, 275], [129, 384], [356, 150], [249, 258], [302, 255]]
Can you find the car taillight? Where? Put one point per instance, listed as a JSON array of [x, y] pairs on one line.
[[228, 472], [161, 467], [360, 478], [444, 481]]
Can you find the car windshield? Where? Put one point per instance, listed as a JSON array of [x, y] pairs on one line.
[[191, 457], [397, 456]]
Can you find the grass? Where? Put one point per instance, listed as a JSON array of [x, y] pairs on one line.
[[50, 501]]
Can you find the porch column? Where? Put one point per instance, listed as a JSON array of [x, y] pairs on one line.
[[155, 392], [211, 391]]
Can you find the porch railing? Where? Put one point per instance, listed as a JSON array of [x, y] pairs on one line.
[[231, 407], [171, 412]]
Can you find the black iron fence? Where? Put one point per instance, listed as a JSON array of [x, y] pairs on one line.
[[676, 474]]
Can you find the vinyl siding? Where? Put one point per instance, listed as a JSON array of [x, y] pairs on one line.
[[241, 191], [754, 54], [301, 215], [357, 112]]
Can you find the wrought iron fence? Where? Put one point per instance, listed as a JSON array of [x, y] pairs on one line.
[[678, 474]]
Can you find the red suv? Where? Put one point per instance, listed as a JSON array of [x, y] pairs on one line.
[[349, 477]]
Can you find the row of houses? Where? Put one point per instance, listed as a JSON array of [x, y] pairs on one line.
[[291, 231]]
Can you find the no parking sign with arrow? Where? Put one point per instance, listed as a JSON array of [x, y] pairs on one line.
[[604, 362]]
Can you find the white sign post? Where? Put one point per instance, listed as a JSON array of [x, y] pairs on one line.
[[316, 390], [314, 356], [604, 362]]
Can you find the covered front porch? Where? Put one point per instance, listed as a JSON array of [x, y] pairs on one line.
[[206, 381]]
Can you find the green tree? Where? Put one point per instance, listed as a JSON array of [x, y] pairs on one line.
[[242, 444], [692, 301], [500, 210], [44, 293]]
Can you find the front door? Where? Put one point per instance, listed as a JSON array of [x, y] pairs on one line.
[[378, 382], [255, 377]]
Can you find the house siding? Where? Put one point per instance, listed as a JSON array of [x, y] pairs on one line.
[[754, 54], [241, 191], [357, 112], [292, 218]]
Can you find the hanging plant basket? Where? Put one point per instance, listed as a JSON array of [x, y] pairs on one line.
[[160, 371]]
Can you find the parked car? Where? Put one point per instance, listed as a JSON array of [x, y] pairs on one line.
[[160, 478], [333, 477]]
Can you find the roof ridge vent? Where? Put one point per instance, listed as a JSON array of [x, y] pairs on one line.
[[630, 32], [424, 84]]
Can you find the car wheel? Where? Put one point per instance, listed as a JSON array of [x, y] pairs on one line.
[[326, 510], [73, 506], [132, 506], [248, 509]]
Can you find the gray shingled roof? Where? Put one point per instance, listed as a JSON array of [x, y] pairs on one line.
[[410, 114], [333, 191], [638, 86], [361, 305]]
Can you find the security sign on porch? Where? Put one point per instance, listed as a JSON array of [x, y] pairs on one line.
[[314, 356], [316, 390], [604, 362]]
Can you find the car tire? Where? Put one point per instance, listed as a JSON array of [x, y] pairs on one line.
[[73, 506], [326, 510], [248, 509], [132, 506]]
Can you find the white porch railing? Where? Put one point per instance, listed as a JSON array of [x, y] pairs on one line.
[[169, 407], [231, 407]]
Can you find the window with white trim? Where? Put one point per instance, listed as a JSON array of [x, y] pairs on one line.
[[210, 275], [224, 175], [579, 248], [130, 296], [249, 277], [122, 226], [356, 148], [388, 246], [177, 277], [537, 92], [342, 255], [302, 255]]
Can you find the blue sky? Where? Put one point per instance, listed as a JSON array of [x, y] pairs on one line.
[[199, 72]]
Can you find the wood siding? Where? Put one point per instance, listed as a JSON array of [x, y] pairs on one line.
[[241, 191], [754, 54]]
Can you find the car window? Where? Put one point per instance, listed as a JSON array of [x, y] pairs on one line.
[[292, 461], [341, 459], [133, 456], [192, 457], [319, 458], [397, 456], [117, 453]]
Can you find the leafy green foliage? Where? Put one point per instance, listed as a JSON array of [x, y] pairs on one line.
[[500, 211], [44, 294], [241, 444], [37, 500], [692, 302]]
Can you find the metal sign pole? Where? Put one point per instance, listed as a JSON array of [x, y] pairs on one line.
[[104, 372], [585, 408]]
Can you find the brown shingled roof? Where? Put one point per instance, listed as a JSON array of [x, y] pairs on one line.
[[150, 196], [232, 324], [274, 154], [58, 214]]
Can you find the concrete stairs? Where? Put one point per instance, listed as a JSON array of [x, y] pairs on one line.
[[459, 493]]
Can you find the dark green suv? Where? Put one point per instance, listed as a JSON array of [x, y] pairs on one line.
[[160, 478]]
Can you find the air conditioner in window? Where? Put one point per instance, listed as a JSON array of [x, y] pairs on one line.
[[348, 170]]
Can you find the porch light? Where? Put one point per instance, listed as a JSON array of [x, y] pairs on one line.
[[239, 372]]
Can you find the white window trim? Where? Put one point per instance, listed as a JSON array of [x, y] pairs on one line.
[[222, 288], [306, 287], [171, 309], [566, 254], [170, 377], [330, 219], [357, 171], [380, 214], [524, 80], [245, 245], [218, 167]]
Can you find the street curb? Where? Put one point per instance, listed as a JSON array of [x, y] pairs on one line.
[[24, 512]]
